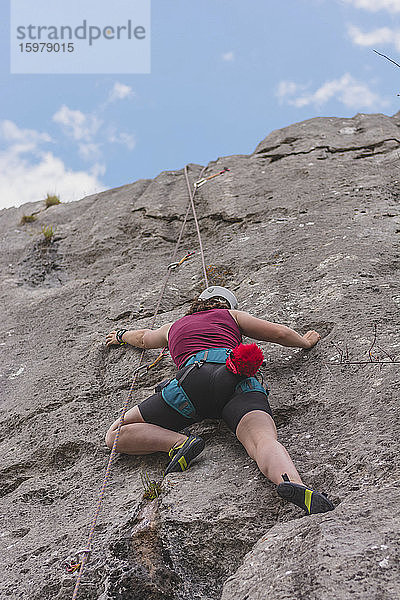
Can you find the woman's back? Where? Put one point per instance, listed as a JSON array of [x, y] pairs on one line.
[[214, 328]]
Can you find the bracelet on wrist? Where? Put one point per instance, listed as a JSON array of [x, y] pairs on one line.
[[119, 335]]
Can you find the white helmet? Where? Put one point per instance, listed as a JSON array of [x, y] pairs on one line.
[[216, 291]]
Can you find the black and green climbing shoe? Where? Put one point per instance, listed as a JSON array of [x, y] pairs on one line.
[[309, 500], [183, 454]]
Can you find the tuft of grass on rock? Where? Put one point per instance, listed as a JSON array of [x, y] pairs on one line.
[[152, 489], [52, 200], [48, 232], [28, 219]]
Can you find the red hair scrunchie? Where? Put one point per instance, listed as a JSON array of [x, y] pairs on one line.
[[245, 359]]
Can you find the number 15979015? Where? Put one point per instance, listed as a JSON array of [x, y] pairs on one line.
[[46, 47]]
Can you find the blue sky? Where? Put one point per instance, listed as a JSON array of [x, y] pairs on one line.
[[224, 74]]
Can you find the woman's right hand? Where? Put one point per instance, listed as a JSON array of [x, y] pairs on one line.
[[311, 337], [111, 339]]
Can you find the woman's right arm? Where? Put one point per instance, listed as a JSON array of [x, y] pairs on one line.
[[265, 331], [142, 338]]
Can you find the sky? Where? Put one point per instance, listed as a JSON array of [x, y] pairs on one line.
[[224, 74]]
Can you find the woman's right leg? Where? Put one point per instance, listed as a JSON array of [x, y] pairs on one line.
[[257, 432], [139, 437]]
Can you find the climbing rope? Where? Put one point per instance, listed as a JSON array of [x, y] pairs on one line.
[[73, 566], [191, 196]]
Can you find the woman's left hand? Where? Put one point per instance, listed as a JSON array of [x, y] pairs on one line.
[[111, 339]]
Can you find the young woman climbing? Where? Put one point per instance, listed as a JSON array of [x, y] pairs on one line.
[[215, 379]]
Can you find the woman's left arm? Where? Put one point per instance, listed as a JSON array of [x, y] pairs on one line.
[[142, 338]]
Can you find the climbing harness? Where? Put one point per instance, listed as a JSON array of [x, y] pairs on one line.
[[251, 384], [173, 392], [217, 355], [204, 180], [220, 355], [175, 264], [84, 555], [176, 397]]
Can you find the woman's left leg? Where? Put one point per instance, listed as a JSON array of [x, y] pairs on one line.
[[138, 437], [257, 432]]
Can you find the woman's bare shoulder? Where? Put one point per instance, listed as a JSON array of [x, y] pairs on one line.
[[256, 328], [234, 314]]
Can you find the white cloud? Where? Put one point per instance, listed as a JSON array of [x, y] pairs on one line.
[[28, 171], [384, 35], [120, 91], [10, 132], [347, 90], [126, 139], [90, 151], [89, 131], [288, 88], [228, 56], [76, 124], [391, 6], [98, 170], [29, 177]]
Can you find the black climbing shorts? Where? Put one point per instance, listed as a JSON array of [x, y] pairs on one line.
[[211, 388]]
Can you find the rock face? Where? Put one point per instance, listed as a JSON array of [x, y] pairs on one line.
[[306, 232]]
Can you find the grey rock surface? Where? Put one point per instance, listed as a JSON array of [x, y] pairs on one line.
[[306, 232], [353, 554]]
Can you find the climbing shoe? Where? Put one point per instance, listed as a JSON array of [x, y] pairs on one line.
[[183, 454], [309, 500]]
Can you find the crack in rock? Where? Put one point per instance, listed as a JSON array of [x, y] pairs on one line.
[[144, 570], [331, 150]]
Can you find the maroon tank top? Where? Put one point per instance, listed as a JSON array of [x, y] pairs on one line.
[[214, 328]]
